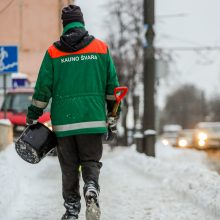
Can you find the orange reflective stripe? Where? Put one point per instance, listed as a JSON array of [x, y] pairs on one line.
[[96, 46]]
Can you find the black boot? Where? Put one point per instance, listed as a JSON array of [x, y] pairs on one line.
[[91, 193], [72, 209]]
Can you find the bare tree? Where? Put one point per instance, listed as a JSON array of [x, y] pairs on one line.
[[214, 108], [125, 40], [185, 106]]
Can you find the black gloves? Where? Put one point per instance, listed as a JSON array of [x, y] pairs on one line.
[[33, 114], [112, 127], [30, 121]]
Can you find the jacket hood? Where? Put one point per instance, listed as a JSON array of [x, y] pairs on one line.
[[74, 40]]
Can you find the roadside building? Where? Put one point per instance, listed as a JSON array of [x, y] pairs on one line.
[[32, 25]]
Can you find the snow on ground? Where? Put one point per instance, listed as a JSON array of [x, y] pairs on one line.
[[177, 185], [5, 122], [186, 172]]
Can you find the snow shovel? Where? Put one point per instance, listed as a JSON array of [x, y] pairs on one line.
[[119, 93]]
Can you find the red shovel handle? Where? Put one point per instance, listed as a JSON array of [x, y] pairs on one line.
[[120, 93]]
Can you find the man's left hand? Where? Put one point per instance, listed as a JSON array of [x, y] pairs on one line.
[[30, 121]]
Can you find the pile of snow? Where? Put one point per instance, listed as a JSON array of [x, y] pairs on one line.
[[5, 122], [191, 179]]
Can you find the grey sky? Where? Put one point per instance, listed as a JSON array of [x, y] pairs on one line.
[[94, 16], [198, 27], [200, 23]]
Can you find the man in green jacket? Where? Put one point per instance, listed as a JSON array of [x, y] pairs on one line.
[[78, 73]]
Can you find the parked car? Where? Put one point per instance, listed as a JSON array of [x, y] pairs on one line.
[[170, 133], [207, 135], [185, 138], [16, 104]]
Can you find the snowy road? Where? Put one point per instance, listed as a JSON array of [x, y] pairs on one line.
[[128, 190]]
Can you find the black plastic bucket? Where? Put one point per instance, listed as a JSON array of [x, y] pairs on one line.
[[35, 143]]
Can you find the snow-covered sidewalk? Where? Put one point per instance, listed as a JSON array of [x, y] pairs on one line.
[[177, 185]]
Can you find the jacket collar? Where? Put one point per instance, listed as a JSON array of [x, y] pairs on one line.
[[73, 25]]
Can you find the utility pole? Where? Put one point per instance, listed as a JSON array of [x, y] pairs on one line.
[[149, 80]]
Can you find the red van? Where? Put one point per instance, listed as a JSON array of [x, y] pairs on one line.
[[16, 104]]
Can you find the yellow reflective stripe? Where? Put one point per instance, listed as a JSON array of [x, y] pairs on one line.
[[110, 97], [39, 104], [82, 125]]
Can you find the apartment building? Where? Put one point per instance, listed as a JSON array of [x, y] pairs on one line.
[[33, 26]]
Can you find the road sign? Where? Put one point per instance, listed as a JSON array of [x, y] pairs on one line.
[[8, 59], [19, 80]]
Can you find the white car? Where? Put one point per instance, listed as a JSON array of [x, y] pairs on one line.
[[185, 138], [207, 135], [170, 134]]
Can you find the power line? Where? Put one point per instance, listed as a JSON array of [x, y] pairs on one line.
[[203, 48], [171, 15], [6, 7], [170, 37]]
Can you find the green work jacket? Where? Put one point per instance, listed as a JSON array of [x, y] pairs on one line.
[[79, 84]]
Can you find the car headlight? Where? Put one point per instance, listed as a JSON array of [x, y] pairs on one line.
[[201, 143], [182, 142], [165, 142], [202, 136]]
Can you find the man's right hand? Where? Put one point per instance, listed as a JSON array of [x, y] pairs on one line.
[[112, 127]]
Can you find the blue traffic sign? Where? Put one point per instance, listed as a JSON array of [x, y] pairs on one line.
[[8, 59]]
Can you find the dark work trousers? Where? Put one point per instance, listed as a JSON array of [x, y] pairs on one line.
[[76, 150]]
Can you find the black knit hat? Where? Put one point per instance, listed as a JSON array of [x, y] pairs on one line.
[[72, 13]]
